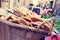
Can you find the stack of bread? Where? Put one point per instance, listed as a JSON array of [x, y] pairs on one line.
[[26, 17]]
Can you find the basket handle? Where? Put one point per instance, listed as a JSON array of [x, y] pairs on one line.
[[50, 19]]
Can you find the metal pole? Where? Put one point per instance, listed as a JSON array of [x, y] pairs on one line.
[[54, 3]]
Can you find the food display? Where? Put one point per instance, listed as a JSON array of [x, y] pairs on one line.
[[26, 17]]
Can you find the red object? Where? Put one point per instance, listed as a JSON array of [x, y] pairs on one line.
[[44, 11], [53, 37]]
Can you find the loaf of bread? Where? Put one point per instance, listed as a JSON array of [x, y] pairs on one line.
[[27, 19], [36, 19], [21, 20], [20, 12], [25, 12], [45, 26]]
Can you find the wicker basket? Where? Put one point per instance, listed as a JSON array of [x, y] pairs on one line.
[[12, 31]]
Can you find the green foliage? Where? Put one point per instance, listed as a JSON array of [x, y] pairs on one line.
[[57, 24], [49, 15]]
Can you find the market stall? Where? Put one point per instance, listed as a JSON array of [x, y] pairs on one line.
[[28, 20]]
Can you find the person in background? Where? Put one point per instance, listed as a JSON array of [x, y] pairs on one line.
[[0, 3], [51, 3], [44, 5], [43, 38], [57, 10], [30, 6]]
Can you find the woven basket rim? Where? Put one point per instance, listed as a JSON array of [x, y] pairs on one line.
[[23, 26]]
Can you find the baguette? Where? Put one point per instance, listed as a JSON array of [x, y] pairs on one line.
[[27, 19], [34, 19], [21, 20]]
